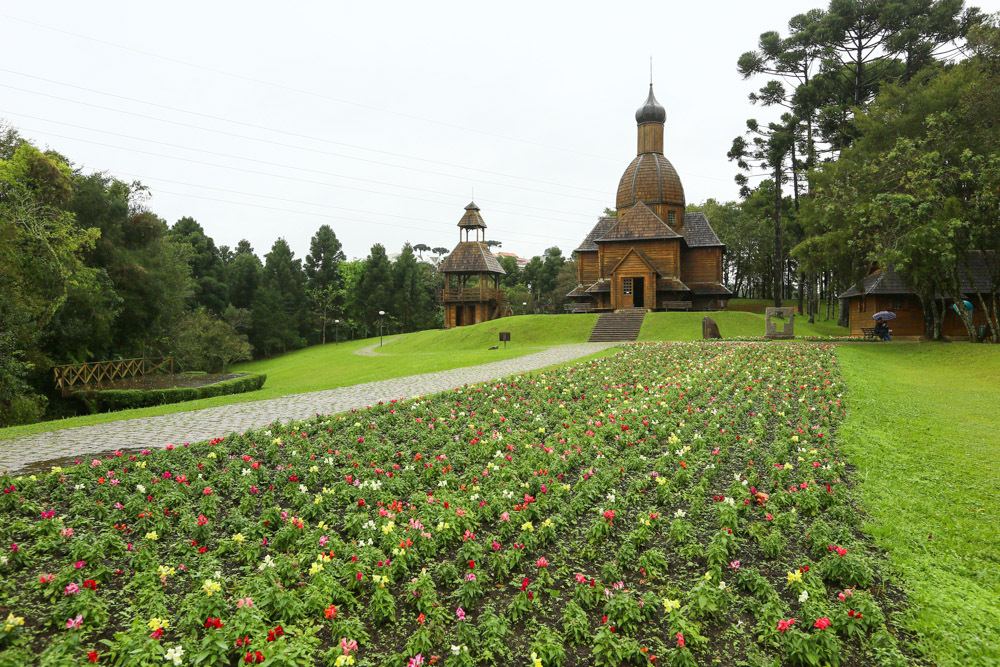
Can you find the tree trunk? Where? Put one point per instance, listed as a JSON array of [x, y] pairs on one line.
[[778, 254], [802, 287], [811, 288]]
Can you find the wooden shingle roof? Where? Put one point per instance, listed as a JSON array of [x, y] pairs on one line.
[[639, 223], [650, 178], [472, 219], [698, 232], [471, 257], [975, 276], [604, 223]]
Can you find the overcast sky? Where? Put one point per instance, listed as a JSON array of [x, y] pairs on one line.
[[380, 119]]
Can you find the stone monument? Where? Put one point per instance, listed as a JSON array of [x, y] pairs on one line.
[[771, 330], [709, 329]]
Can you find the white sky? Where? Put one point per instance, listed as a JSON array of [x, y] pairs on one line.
[[380, 119]]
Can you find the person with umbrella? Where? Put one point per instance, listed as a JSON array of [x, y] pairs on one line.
[[882, 329]]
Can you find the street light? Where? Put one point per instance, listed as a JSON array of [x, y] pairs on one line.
[[337, 329], [524, 307], [380, 314]]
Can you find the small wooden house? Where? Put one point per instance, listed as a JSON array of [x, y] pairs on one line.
[[882, 290], [653, 254], [472, 291]]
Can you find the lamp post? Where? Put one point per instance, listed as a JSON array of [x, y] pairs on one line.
[[524, 307], [381, 313], [530, 295], [337, 330]]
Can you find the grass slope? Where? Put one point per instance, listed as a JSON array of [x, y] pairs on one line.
[[922, 429], [333, 365], [687, 326]]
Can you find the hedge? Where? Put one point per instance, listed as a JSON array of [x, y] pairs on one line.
[[126, 399]]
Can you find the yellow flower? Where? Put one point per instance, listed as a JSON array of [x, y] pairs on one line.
[[388, 528], [661, 480], [165, 571], [152, 536], [316, 567], [528, 527], [344, 660], [157, 623], [212, 455], [380, 579], [238, 538], [13, 621], [794, 576], [537, 661], [670, 605], [211, 586], [708, 576], [548, 524]]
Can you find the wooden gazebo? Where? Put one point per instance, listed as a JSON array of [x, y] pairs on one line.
[[472, 291]]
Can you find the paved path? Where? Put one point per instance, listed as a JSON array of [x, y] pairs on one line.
[[207, 423]]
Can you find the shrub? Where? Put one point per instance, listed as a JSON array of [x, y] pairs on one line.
[[26, 409], [127, 399]]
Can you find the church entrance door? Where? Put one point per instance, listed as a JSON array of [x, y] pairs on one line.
[[638, 293]]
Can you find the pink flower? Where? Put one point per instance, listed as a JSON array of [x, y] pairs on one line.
[[734, 564], [46, 578], [79, 564], [67, 532], [73, 623], [49, 514], [581, 579], [323, 541], [417, 660], [348, 646], [207, 492], [358, 576], [542, 562], [680, 640], [95, 463], [505, 517], [72, 589], [496, 546], [244, 602], [460, 613]]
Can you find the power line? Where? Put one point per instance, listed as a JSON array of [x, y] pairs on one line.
[[278, 164], [302, 91], [258, 127], [309, 203], [327, 217]]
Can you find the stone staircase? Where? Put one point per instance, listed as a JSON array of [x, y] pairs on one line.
[[622, 325]]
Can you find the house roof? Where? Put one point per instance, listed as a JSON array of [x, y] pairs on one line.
[[698, 232], [579, 290], [671, 285], [604, 223], [471, 257], [975, 277], [598, 287], [638, 224]]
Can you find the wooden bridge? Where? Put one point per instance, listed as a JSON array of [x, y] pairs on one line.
[[78, 377]]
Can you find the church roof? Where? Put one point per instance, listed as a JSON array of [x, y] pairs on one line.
[[698, 232], [472, 219], [639, 223], [604, 223], [709, 288], [650, 178], [471, 257]]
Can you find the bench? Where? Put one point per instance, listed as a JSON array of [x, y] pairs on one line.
[[869, 332], [677, 305]]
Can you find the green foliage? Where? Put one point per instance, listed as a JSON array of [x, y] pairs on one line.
[[203, 342], [125, 399]]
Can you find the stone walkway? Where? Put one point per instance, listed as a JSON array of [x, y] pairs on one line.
[[207, 423]]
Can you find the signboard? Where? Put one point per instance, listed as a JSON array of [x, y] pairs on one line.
[[504, 337]]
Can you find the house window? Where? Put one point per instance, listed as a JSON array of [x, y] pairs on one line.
[[897, 303], [671, 217], [627, 285]]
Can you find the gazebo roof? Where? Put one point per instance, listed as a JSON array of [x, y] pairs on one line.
[[472, 219], [471, 257]]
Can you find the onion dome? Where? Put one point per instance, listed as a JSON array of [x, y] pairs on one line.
[[650, 111], [650, 178]]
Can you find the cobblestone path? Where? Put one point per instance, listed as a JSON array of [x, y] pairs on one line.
[[207, 423]]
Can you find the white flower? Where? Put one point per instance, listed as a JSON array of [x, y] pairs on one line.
[[174, 654], [804, 596], [78, 487], [247, 471], [302, 488], [140, 488], [722, 585], [680, 514], [268, 562]]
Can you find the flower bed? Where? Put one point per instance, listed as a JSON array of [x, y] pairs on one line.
[[672, 504]]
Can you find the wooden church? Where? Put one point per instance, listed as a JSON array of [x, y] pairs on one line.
[[472, 291], [653, 254]]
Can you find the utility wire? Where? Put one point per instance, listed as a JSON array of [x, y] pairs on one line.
[[302, 91], [286, 166], [257, 127]]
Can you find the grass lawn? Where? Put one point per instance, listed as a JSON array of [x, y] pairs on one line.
[[687, 326], [922, 428], [332, 365]]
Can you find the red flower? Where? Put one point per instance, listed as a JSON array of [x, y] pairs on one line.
[[524, 584], [680, 640], [92, 656], [214, 623], [90, 583], [331, 612], [822, 623], [784, 625]]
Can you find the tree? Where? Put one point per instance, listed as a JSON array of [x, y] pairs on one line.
[[374, 290], [203, 342], [494, 244], [205, 262], [322, 268], [411, 302], [768, 151], [513, 271], [283, 282], [420, 249], [440, 252], [243, 275]]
